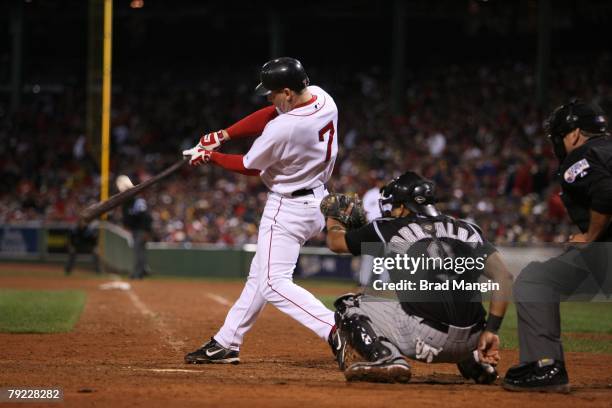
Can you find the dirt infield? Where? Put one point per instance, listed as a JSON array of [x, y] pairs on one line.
[[128, 347]]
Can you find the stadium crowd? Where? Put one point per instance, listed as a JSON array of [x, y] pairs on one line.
[[473, 129]]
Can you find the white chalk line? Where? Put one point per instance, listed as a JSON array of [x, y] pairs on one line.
[[177, 345], [142, 308], [168, 370], [219, 299]]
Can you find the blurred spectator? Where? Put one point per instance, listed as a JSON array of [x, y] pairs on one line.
[[137, 219], [474, 129]]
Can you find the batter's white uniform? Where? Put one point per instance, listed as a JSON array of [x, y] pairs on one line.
[[296, 151]]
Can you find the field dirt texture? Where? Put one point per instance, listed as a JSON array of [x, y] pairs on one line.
[[127, 350]]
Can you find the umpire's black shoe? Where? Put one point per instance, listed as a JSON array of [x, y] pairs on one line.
[[481, 373], [546, 375], [212, 352]]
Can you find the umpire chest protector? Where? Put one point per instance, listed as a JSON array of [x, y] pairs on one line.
[[586, 181]]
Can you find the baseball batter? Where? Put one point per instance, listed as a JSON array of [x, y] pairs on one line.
[[294, 156]]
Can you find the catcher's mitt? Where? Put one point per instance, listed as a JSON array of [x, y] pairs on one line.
[[337, 206]]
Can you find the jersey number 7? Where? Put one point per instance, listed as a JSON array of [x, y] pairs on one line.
[[329, 128]]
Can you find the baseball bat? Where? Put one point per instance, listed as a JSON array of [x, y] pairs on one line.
[[97, 209]]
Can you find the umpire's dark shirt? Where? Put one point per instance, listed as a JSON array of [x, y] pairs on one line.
[[449, 307], [586, 181], [135, 215]]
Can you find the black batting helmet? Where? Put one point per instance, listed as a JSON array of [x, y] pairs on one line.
[[279, 73], [413, 191], [588, 117]]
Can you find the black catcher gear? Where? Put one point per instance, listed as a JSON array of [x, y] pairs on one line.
[[413, 191], [357, 333]]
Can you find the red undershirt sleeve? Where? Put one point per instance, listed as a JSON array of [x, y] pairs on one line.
[[253, 124], [232, 162]]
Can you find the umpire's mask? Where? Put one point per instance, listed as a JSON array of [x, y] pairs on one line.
[[564, 119]]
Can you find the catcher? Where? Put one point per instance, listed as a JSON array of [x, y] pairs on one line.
[[440, 326]]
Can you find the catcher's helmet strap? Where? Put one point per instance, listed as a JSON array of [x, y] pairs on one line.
[[430, 210], [385, 204]]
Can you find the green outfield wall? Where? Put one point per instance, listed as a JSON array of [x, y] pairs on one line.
[[182, 259], [47, 243]]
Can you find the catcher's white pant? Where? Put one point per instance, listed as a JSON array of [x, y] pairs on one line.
[[413, 338], [286, 224]]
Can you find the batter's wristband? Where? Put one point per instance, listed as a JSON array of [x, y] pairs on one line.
[[493, 323]]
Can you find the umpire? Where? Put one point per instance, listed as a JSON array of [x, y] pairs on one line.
[[138, 220], [579, 134]]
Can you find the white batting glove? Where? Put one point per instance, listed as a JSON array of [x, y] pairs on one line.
[[425, 352], [212, 141], [197, 155]]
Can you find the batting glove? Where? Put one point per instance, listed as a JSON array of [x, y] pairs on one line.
[[197, 155], [426, 352], [212, 141]]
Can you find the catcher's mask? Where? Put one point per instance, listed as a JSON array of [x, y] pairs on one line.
[[413, 191], [574, 115]]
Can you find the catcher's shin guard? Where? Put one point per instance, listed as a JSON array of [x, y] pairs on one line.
[[344, 302], [355, 332], [338, 338], [363, 339]]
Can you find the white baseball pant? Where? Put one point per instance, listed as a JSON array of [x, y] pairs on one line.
[[286, 224]]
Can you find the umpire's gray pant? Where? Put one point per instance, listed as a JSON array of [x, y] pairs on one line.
[[389, 320], [577, 274]]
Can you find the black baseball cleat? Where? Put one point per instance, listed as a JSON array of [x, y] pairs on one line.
[[481, 373], [395, 371], [212, 353], [546, 375]]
